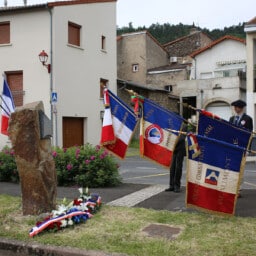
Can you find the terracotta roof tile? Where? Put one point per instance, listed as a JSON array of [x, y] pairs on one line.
[[119, 38], [209, 46], [52, 4], [183, 38], [78, 2], [22, 7], [252, 21]]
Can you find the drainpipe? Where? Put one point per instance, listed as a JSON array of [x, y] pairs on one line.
[[53, 107]]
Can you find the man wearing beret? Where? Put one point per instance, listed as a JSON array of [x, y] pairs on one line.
[[240, 118]]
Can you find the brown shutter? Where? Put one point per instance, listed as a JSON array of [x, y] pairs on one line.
[[15, 82], [74, 33], [5, 32]]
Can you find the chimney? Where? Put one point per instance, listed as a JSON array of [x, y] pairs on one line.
[[25, 2], [5, 3]]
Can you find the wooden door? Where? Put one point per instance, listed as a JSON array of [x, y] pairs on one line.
[[73, 131]]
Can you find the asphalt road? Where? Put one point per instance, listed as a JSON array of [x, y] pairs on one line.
[[139, 170]]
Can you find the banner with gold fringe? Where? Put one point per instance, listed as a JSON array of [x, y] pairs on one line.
[[214, 169], [157, 142]]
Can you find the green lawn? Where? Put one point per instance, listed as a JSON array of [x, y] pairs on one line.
[[119, 229]]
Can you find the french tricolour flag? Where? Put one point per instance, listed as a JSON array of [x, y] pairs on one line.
[[213, 175], [107, 133], [7, 106], [156, 141], [124, 122]]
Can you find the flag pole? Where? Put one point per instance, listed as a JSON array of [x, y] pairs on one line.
[[180, 132], [185, 133], [196, 109], [188, 106], [3, 98], [4, 110], [5, 105], [4, 77]]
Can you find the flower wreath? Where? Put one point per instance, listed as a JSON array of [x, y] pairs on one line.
[[77, 211]]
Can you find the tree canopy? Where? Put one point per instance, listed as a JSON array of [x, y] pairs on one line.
[[167, 32]]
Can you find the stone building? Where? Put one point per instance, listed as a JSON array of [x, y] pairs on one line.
[[184, 46], [158, 95], [166, 77], [136, 53]]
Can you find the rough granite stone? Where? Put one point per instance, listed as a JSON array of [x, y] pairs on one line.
[[34, 160]]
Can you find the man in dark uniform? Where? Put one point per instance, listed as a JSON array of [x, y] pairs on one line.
[[240, 118], [177, 163]]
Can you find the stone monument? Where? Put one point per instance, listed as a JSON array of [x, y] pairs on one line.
[[33, 154]]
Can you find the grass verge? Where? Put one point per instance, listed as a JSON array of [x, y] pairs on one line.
[[119, 229]]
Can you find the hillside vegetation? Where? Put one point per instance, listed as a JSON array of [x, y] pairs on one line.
[[167, 32]]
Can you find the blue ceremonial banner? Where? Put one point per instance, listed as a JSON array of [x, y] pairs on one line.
[[213, 174], [223, 130], [157, 143]]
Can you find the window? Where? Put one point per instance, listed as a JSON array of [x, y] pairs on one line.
[[5, 32], [74, 31], [226, 73], [103, 43], [135, 67], [168, 88], [15, 82], [103, 83]]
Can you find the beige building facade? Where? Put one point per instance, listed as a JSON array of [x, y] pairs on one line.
[[81, 45], [250, 29]]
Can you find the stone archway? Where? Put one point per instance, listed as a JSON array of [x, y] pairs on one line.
[[220, 107]]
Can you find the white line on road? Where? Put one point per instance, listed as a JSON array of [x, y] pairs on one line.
[[147, 176], [146, 168], [251, 184], [138, 196]]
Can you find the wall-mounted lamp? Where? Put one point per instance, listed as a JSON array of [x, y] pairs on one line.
[[43, 57]]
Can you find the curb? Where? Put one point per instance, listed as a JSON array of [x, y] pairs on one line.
[[33, 249], [250, 158]]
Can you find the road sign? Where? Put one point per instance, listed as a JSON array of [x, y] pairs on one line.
[[54, 97]]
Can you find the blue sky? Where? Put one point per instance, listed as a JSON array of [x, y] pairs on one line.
[[204, 13]]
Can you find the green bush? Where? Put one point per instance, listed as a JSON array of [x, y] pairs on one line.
[[85, 166], [8, 168]]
